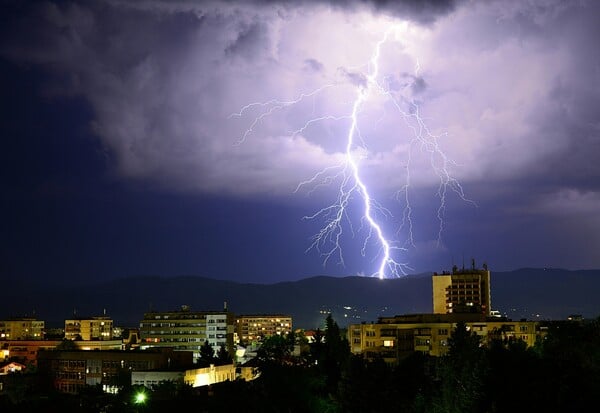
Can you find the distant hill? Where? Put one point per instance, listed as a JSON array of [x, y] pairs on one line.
[[526, 293]]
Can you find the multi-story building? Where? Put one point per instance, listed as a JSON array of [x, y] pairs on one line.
[[396, 337], [21, 329], [89, 328], [187, 330], [460, 296], [218, 327], [70, 371], [255, 327], [26, 351], [462, 291]]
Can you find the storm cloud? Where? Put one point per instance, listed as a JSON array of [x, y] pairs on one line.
[[512, 89]]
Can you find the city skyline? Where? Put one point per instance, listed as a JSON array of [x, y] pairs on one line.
[[123, 157]]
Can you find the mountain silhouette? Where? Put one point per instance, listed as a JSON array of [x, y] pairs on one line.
[[531, 293]]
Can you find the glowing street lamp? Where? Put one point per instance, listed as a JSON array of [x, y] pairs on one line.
[[140, 398]]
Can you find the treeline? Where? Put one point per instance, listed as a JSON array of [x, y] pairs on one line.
[[561, 373]]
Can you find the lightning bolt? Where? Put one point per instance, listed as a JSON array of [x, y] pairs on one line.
[[328, 241]]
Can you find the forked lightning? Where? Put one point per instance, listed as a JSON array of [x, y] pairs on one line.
[[329, 239]]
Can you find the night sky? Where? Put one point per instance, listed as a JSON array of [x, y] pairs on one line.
[[123, 154]]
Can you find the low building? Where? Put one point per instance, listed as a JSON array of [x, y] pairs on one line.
[[99, 345], [12, 367], [393, 338], [209, 375], [154, 378], [192, 377], [26, 351], [23, 328], [256, 327], [70, 371]]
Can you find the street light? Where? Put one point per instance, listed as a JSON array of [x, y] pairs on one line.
[[140, 397]]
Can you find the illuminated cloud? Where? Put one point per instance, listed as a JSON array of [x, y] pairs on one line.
[[514, 86]]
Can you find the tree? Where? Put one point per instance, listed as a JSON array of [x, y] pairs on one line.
[[223, 356], [275, 348], [337, 353], [207, 353], [330, 352], [571, 354], [462, 373], [317, 346]]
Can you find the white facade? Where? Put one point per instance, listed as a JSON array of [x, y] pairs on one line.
[[154, 378], [216, 330], [209, 375]]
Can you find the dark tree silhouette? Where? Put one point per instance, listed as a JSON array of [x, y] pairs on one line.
[[462, 374], [223, 356], [207, 353]]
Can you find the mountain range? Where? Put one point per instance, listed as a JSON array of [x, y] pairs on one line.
[[531, 293]]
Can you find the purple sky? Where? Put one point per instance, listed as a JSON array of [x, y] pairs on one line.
[[123, 157]]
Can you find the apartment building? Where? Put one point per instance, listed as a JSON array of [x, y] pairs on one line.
[[97, 328], [255, 327], [70, 371], [393, 338], [462, 291], [187, 330], [459, 296], [22, 328]]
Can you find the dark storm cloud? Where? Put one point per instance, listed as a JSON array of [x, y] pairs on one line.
[[421, 11], [251, 42], [512, 88]]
